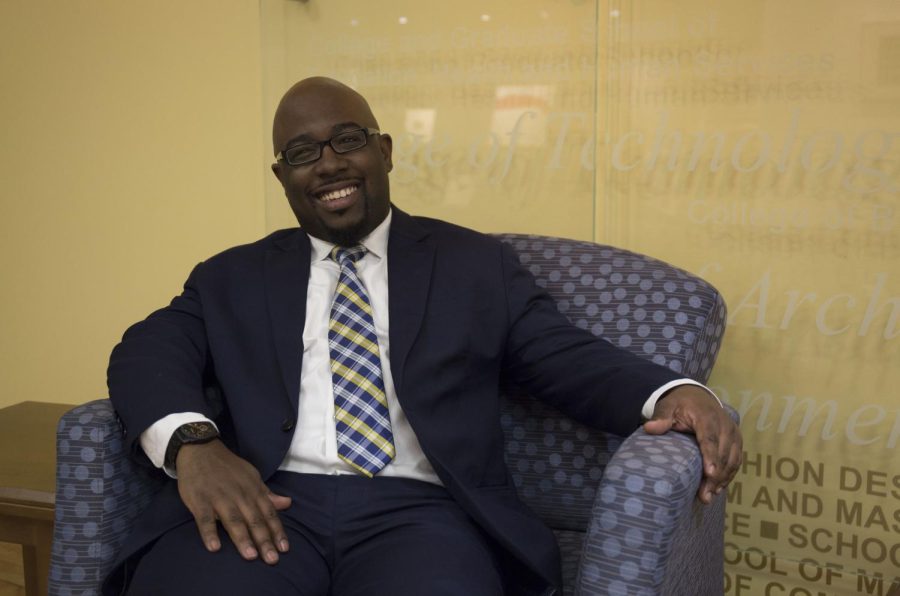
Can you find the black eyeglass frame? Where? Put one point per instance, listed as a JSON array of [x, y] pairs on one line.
[[321, 145]]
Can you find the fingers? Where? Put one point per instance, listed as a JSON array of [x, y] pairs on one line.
[[663, 418], [691, 409], [658, 426], [206, 524], [721, 447], [708, 441], [236, 526], [735, 456], [279, 502], [255, 529], [216, 485]]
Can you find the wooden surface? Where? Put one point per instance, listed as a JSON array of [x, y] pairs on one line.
[[28, 452], [28, 486], [12, 575]]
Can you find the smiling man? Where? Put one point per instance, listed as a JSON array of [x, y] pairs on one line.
[[339, 200], [326, 400]]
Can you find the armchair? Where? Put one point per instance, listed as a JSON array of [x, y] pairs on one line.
[[623, 509]]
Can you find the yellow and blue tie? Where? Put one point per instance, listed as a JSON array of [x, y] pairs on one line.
[[363, 424]]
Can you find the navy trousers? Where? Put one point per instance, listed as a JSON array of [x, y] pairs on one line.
[[349, 536]]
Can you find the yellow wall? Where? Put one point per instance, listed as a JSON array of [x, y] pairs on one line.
[[131, 143]]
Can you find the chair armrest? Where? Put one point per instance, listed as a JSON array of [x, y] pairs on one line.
[[648, 533], [99, 491]]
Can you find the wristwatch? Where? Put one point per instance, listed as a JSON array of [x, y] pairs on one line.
[[192, 433]]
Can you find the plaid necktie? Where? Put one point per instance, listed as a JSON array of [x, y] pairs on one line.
[[363, 424]]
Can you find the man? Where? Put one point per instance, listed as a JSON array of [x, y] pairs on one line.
[[352, 370]]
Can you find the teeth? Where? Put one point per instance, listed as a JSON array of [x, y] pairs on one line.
[[337, 194]]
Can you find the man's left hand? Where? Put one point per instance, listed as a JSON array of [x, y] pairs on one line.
[[691, 409]]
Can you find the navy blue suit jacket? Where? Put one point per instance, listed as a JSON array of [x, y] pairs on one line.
[[464, 318]]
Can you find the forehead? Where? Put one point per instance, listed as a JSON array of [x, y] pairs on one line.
[[317, 113]]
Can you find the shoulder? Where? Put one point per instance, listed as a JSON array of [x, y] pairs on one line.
[[456, 250], [247, 261], [445, 228], [446, 236], [280, 240]]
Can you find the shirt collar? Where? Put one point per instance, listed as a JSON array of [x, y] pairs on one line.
[[376, 242]]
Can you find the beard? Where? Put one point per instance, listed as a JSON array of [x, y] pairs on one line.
[[352, 234], [345, 233], [347, 236]]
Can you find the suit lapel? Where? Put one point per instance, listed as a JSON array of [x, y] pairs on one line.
[[287, 277], [410, 261]]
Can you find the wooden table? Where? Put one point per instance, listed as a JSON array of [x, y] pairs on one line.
[[28, 484]]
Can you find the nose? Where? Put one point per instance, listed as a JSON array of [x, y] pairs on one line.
[[330, 161]]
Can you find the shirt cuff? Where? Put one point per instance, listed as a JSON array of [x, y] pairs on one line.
[[650, 404], [155, 440]]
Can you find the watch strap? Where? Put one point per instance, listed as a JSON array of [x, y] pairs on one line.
[[192, 433]]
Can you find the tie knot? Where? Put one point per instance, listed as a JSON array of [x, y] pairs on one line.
[[342, 254]]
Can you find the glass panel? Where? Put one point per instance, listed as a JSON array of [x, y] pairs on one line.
[[756, 143], [490, 103]]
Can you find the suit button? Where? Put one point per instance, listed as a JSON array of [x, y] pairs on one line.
[[287, 425]]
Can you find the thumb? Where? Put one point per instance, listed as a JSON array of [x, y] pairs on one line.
[[280, 502], [658, 426]]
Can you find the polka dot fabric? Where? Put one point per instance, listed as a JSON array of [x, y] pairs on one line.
[[623, 510], [99, 491], [638, 303]]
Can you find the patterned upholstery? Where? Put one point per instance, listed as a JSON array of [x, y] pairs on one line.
[[623, 510], [99, 491]]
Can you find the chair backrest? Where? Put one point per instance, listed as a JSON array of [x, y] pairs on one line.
[[649, 307]]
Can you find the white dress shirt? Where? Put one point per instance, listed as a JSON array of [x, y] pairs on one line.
[[314, 444]]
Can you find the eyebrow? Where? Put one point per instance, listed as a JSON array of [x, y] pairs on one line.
[[305, 138]]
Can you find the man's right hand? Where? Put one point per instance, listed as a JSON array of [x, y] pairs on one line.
[[215, 484]]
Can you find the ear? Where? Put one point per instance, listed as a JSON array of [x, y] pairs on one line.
[[386, 144], [278, 169]]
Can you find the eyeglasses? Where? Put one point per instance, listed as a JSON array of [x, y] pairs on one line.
[[343, 142]]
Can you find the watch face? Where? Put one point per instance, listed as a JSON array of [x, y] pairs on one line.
[[197, 430]]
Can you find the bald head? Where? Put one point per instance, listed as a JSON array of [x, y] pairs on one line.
[[307, 101]]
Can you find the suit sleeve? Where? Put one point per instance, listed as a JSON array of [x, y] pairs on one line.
[[584, 376], [160, 365]]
